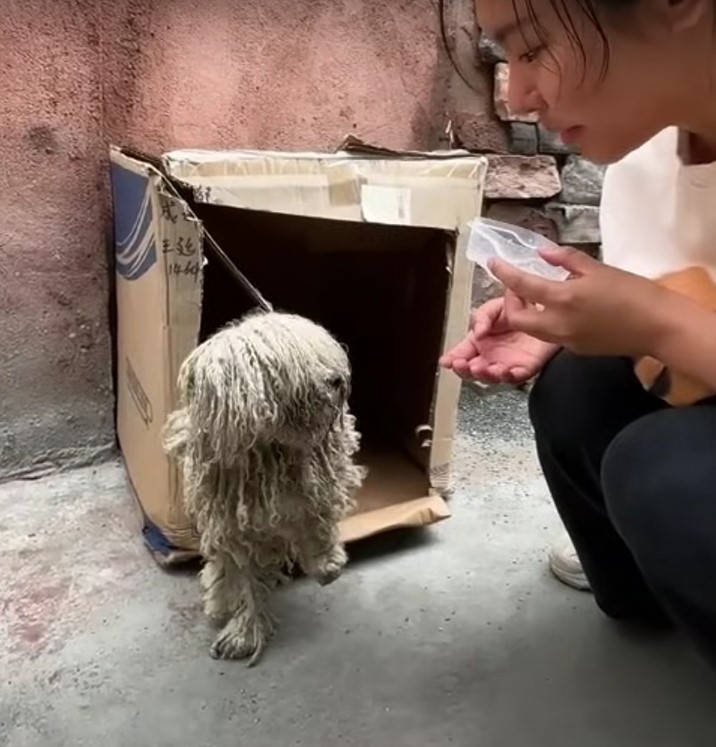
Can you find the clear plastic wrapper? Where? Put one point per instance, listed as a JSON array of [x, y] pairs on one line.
[[491, 239]]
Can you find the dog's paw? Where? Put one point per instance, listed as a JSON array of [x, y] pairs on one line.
[[328, 569], [244, 638], [232, 645]]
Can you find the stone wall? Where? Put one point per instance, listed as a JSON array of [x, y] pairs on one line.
[[533, 179]]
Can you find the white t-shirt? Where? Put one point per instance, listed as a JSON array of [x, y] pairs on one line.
[[657, 215]]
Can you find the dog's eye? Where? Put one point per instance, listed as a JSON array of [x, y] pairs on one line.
[[335, 382]]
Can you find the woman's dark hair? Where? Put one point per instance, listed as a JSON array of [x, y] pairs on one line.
[[589, 8]]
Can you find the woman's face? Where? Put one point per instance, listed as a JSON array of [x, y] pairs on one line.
[[557, 57]]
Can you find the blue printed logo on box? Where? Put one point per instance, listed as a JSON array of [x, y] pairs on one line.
[[135, 245]]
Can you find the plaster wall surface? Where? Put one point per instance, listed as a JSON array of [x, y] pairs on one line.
[[78, 75]]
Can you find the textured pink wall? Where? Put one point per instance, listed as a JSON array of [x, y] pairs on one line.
[[257, 73], [160, 74], [55, 395]]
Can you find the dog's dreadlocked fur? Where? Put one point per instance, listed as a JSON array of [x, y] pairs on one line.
[[267, 445]]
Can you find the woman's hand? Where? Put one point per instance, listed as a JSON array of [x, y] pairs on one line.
[[598, 311], [493, 352]]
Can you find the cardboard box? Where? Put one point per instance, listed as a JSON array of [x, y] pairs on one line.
[[369, 242]]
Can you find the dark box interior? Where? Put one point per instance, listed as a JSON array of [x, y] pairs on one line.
[[381, 290]]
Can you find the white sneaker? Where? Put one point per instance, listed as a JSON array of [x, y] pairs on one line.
[[565, 565]]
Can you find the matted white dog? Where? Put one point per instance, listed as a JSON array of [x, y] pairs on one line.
[[267, 445]]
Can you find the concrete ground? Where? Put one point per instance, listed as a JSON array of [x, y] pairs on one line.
[[454, 636]]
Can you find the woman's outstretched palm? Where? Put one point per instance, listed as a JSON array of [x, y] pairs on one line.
[[495, 353]]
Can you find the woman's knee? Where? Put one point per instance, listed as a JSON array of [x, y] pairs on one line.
[[573, 393], [633, 485], [658, 476]]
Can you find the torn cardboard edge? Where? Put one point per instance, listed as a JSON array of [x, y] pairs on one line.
[[354, 144], [172, 542]]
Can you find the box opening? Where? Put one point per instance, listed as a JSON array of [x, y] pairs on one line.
[[381, 290]]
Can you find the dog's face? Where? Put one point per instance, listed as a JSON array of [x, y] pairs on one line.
[[311, 396], [272, 378]]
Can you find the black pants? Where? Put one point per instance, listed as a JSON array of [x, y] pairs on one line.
[[634, 482]]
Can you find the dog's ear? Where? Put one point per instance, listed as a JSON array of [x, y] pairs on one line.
[[231, 403], [177, 432], [185, 380]]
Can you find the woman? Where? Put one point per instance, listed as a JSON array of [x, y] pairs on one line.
[[632, 83]]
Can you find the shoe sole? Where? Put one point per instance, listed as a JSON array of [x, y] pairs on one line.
[[577, 580]]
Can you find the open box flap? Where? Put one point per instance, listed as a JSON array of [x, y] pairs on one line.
[[431, 190], [419, 512]]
